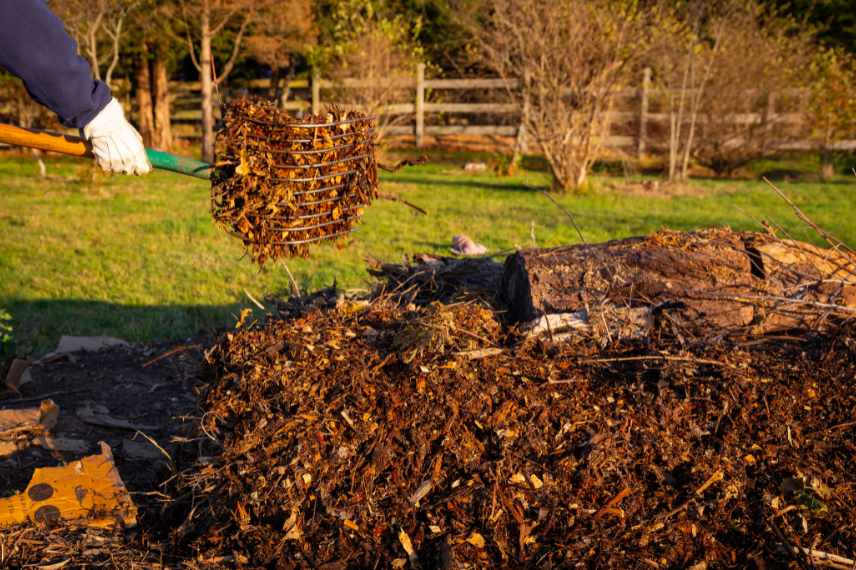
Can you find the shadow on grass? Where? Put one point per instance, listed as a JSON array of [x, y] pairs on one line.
[[39, 324], [479, 183]]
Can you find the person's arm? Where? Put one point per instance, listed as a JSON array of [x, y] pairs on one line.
[[35, 46]]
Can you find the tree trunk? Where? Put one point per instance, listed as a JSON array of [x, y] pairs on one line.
[[207, 81], [704, 282], [827, 166], [162, 105], [145, 117], [274, 90]]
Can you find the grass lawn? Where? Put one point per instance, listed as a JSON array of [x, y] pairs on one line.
[[86, 254]]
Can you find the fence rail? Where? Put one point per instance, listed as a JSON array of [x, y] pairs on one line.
[[634, 123]]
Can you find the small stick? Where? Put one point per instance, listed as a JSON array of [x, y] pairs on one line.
[[660, 357], [393, 198], [168, 353], [567, 213], [253, 299], [294, 287], [830, 239]]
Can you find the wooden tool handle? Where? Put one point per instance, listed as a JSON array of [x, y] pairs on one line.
[[44, 140], [76, 146]]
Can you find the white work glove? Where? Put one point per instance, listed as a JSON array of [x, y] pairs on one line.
[[116, 144]]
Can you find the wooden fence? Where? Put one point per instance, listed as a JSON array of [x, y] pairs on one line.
[[637, 123]]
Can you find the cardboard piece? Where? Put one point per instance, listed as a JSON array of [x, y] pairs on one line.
[[19, 374], [70, 344], [88, 490], [21, 428], [99, 415]]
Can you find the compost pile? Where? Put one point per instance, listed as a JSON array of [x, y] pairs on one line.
[[409, 432], [282, 184]]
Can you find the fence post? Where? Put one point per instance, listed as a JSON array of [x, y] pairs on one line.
[[420, 104], [316, 93], [643, 112]]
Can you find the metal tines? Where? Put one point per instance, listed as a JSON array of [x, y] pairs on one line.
[[283, 184]]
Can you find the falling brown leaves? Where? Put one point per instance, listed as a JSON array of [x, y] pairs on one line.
[[282, 184]]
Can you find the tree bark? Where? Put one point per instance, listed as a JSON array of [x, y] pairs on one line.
[[162, 108], [207, 82], [827, 165], [706, 281], [145, 117]]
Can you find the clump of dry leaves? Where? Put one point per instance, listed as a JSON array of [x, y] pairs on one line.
[[282, 184]]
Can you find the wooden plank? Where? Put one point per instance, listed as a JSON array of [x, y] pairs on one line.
[[643, 112], [739, 118], [474, 130], [420, 105], [398, 109], [618, 141], [317, 83], [495, 130], [194, 86], [493, 83], [498, 108], [363, 83], [621, 116]]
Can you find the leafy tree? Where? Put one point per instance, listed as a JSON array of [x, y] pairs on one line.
[[367, 40], [835, 20], [833, 102]]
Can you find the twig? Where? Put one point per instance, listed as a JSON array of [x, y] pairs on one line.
[[394, 198], [798, 554], [168, 353], [567, 213], [833, 241], [659, 357], [295, 289], [478, 354], [161, 449], [253, 299], [821, 558]]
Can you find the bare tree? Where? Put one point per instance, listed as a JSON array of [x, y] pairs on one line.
[[758, 57], [277, 38], [569, 58], [98, 27], [683, 60], [202, 21], [376, 70]]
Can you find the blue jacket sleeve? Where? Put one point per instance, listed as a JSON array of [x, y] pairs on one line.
[[35, 46]]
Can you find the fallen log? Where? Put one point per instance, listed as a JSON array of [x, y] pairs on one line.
[[708, 280]]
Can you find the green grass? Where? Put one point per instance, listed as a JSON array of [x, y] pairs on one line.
[[85, 254]]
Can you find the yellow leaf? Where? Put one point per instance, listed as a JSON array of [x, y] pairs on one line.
[[476, 540]]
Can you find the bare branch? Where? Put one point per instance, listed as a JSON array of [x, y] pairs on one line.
[[236, 47]]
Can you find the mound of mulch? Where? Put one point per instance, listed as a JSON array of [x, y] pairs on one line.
[[418, 428], [428, 435]]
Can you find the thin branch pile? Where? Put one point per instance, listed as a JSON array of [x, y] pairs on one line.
[[282, 184]]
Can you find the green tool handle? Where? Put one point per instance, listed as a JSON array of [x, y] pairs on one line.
[[181, 164], [76, 146]]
